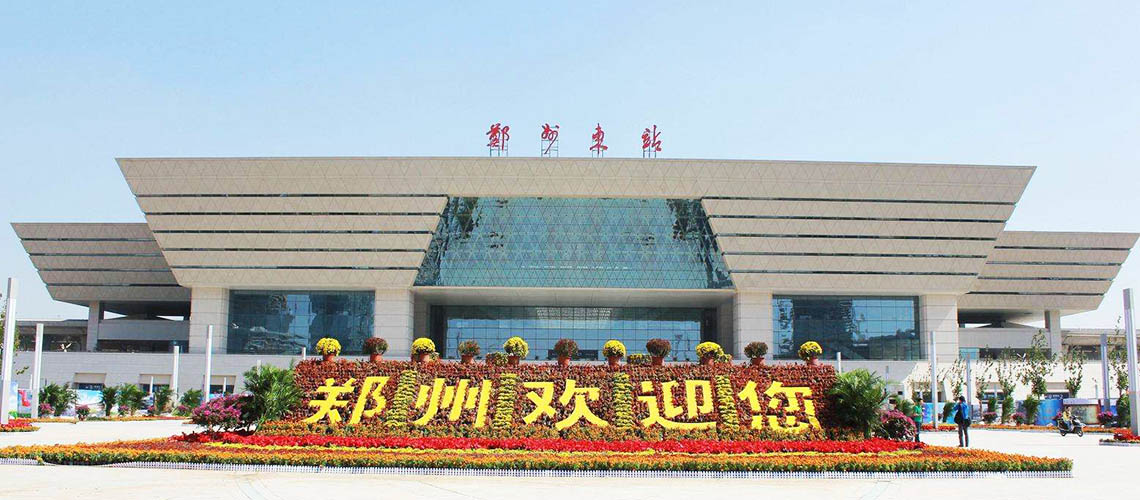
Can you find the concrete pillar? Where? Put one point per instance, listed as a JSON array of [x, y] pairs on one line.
[[420, 313], [939, 314], [393, 319], [752, 321], [1053, 331], [94, 316], [209, 306], [725, 333]]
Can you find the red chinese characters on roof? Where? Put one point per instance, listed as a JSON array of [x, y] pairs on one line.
[[650, 142], [549, 138], [497, 137], [598, 148]]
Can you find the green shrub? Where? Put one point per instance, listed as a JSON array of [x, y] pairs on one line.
[[1031, 405], [191, 398], [272, 393], [162, 398], [1123, 412], [1007, 407], [858, 395], [109, 396], [131, 398], [60, 397]]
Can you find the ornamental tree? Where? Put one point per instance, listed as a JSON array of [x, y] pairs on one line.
[[1038, 362], [1074, 364]]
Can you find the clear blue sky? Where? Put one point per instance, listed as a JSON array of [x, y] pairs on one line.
[[1051, 84]]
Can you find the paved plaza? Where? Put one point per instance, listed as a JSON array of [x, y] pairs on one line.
[[1099, 472]]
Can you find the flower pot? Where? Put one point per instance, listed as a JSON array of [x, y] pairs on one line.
[[328, 357], [563, 361], [466, 358], [513, 360], [421, 357], [757, 361], [810, 361], [707, 360], [374, 357], [658, 360], [613, 361]]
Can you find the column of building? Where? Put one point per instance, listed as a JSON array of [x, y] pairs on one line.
[[94, 316], [209, 306], [393, 319], [752, 321]]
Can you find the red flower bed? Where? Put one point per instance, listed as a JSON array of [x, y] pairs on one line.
[[18, 425], [566, 445], [1125, 435]]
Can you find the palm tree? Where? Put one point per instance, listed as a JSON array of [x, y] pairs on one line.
[[858, 397]]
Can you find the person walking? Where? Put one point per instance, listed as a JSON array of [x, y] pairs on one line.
[[962, 418]]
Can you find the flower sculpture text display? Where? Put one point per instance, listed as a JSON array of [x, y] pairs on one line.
[[454, 397]]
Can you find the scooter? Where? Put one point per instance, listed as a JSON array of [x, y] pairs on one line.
[[1071, 425]]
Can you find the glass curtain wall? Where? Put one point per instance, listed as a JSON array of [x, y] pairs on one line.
[[574, 242], [282, 322], [873, 328], [590, 327]]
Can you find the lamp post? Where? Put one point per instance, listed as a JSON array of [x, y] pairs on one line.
[[934, 414], [37, 361], [174, 375], [1130, 339], [9, 350], [209, 360]]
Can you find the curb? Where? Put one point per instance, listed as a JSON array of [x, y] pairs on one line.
[[1118, 443]]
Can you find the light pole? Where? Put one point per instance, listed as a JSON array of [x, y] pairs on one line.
[[209, 360], [37, 361], [9, 350], [174, 375], [1130, 339], [934, 413]]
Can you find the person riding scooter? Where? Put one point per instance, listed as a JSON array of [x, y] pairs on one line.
[[1067, 422]]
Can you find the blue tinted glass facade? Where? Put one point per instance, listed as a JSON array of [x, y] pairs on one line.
[[574, 242], [590, 327], [876, 328], [282, 322]]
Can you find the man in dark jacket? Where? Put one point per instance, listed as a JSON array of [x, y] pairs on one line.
[[962, 418]]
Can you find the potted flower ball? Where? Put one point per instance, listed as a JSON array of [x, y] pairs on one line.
[[516, 349], [708, 352], [422, 348], [328, 348], [613, 350], [375, 347], [756, 351], [468, 349], [566, 350], [809, 351], [658, 349]]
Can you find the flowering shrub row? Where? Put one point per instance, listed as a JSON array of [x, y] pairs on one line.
[[18, 425], [1046, 428], [926, 459], [467, 398], [547, 444], [1125, 435], [612, 433]]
